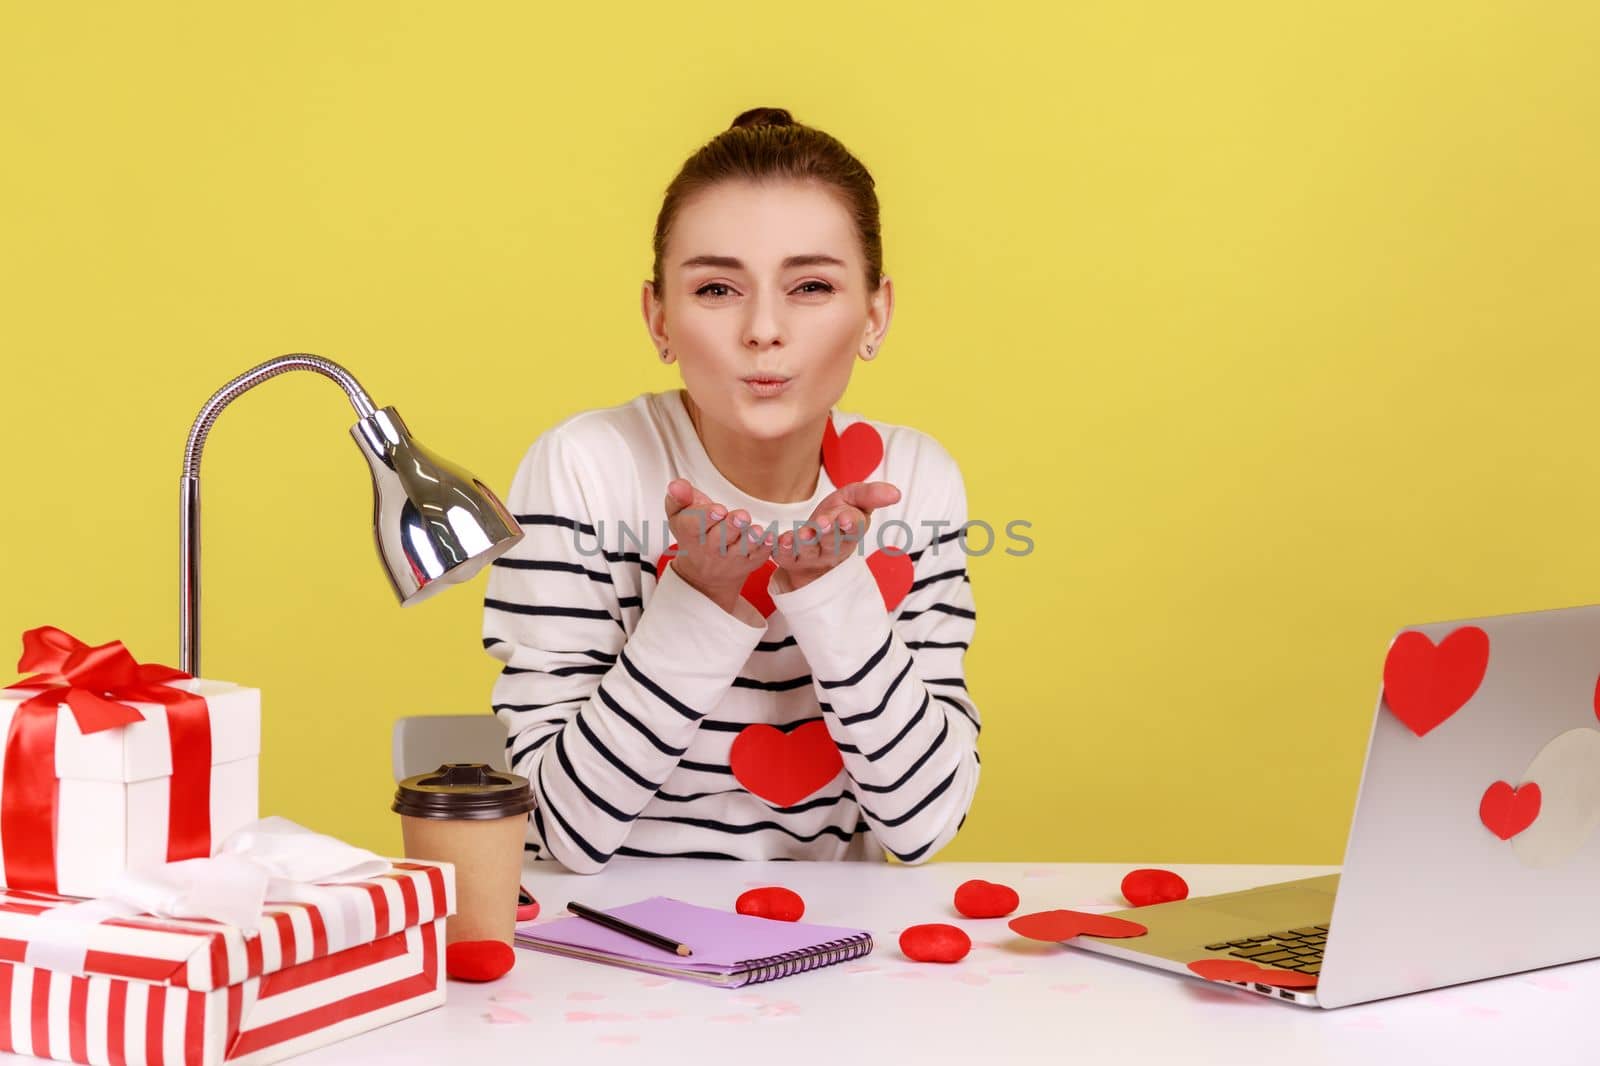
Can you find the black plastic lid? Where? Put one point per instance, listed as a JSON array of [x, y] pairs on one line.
[[464, 790]]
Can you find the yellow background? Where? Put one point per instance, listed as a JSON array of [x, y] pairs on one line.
[[1277, 321]]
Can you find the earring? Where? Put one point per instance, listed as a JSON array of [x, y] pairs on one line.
[[666, 355]]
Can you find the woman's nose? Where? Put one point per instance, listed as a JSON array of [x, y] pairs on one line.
[[762, 328]]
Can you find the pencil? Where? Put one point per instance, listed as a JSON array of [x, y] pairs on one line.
[[618, 925]]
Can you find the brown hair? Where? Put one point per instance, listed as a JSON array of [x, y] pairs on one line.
[[766, 143]]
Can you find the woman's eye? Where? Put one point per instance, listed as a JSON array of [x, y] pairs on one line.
[[705, 290]]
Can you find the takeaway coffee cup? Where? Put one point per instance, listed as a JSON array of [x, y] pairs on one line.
[[474, 816]]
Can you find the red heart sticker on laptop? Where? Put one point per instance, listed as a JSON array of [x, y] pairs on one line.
[[1240, 970], [1508, 811], [1424, 683], [1064, 925]]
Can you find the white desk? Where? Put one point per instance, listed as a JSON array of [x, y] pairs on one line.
[[1010, 1000]]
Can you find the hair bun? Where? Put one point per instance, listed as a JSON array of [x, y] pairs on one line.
[[763, 116]]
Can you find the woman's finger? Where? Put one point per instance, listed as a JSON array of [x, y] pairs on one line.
[[868, 495], [852, 527], [682, 494]]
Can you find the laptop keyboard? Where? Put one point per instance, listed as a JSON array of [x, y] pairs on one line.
[[1292, 949]]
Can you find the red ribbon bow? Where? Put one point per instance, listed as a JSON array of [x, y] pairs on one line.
[[94, 682]]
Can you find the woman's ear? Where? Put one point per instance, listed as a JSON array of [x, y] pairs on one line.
[[880, 309], [655, 320]]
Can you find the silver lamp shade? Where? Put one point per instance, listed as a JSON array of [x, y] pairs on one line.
[[435, 524]]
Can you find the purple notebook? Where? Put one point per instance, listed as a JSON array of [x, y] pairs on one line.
[[730, 949]]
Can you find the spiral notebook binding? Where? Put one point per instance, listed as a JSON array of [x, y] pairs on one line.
[[791, 962]]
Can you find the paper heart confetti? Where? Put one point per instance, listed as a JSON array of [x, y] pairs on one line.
[[1507, 811], [773, 901], [1240, 970], [1058, 925], [505, 1016], [1424, 684], [853, 455], [935, 942], [892, 569], [985, 899], [1142, 888], [784, 768]]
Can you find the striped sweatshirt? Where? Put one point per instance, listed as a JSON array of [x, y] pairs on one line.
[[624, 689]]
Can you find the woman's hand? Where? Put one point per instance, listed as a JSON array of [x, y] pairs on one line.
[[717, 550], [831, 533]]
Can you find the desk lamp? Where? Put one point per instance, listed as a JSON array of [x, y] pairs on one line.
[[435, 524]]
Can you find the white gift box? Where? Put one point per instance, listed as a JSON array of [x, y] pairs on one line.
[[115, 786]]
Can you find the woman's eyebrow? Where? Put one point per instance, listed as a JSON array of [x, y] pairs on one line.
[[730, 263]]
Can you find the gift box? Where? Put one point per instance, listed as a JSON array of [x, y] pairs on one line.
[[109, 764], [185, 992]]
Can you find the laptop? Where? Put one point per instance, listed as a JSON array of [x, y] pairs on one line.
[[1474, 850]]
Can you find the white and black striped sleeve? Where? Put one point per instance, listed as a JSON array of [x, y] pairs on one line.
[[597, 716], [894, 692]]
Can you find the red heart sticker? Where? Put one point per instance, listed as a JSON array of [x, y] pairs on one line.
[[1508, 811], [1597, 698], [1240, 970], [784, 768], [1064, 925], [853, 455], [755, 588], [775, 902], [935, 942], [1142, 888], [985, 899], [1424, 684], [755, 585], [892, 569]]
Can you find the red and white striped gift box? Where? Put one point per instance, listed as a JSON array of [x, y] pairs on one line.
[[175, 992]]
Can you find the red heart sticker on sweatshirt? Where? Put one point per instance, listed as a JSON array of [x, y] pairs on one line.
[[1240, 970], [755, 585], [1064, 925], [853, 455], [784, 768], [1424, 684], [1507, 811], [892, 570]]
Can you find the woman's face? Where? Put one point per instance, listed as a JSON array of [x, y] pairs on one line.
[[765, 279]]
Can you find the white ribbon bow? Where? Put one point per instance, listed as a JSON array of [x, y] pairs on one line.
[[272, 858]]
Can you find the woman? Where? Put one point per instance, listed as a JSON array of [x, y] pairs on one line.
[[736, 625]]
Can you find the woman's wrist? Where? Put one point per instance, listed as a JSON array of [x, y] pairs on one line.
[[725, 598], [788, 581]]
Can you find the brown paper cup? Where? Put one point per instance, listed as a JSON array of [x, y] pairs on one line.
[[475, 817]]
